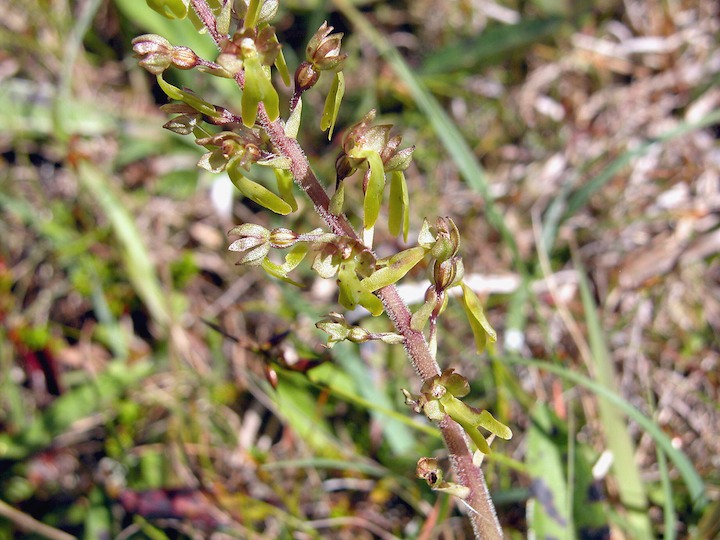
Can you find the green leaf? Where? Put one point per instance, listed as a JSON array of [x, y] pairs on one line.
[[494, 42], [399, 208], [375, 188], [685, 467], [135, 255], [254, 191], [481, 329], [171, 9], [332, 104], [399, 265], [617, 433]]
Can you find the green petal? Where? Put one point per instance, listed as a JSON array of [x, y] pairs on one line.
[[420, 318], [372, 303], [173, 92], [398, 266], [348, 285], [494, 426], [258, 87], [285, 187], [222, 22], [332, 104], [251, 16], [278, 272], [337, 201], [254, 191], [171, 9], [294, 257], [399, 208], [463, 415], [281, 66], [481, 328], [376, 186]]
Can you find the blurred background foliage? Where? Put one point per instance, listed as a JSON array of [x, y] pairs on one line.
[[574, 144]]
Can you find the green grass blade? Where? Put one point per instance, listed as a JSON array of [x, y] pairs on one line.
[[548, 515], [691, 478], [95, 396], [493, 43], [136, 258], [630, 484]]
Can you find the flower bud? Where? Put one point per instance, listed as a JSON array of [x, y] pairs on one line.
[[184, 58], [305, 77], [282, 238], [447, 242], [154, 52], [447, 273]]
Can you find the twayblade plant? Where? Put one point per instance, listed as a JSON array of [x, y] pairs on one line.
[[256, 136]]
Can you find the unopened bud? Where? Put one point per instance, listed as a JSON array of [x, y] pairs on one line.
[[282, 238], [154, 52], [447, 273], [184, 58], [305, 77], [447, 240]]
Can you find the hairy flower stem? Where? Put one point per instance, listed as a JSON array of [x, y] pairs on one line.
[[481, 509]]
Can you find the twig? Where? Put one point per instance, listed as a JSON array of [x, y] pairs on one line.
[[30, 524]]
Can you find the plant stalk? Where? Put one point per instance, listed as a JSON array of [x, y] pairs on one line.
[[481, 509]]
